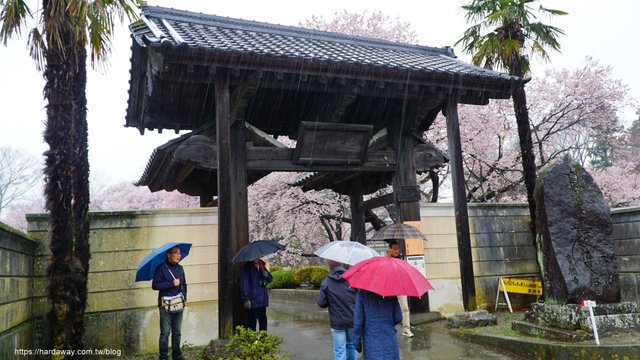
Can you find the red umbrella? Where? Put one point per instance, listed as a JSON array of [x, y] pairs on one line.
[[387, 276]]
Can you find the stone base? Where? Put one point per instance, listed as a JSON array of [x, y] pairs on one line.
[[549, 333], [608, 325], [610, 318], [472, 319]]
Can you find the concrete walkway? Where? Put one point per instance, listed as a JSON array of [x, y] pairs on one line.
[[308, 339]]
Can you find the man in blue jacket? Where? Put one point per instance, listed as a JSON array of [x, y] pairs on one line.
[[170, 280], [336, 294]]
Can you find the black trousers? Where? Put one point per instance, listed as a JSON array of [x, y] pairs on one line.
[[257, 315]]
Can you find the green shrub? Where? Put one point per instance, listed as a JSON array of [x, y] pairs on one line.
[[317, 275], [283, 279], [252, 345], [275, 268], [312, 275]]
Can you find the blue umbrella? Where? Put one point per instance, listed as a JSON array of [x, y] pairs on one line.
[[148, 265], [256, 249]]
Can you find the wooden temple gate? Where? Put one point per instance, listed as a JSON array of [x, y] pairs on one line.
[[356, 107]]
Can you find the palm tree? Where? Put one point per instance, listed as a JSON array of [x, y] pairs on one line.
[[512, 29], [58, 45]]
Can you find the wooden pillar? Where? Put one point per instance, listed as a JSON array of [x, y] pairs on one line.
[[357, 213], [233, 226], [460, 205], [406, 191]]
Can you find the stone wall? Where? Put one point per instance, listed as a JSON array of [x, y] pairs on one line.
[[16, 266], [123, 314], [626, 237], [501, 245]]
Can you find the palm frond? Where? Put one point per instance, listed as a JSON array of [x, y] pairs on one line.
[[553, 12], [101, 24], [13, 15], [546, 35], [37, 48]]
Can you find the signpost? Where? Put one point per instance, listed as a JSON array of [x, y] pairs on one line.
[[590, 304], [516, 285]]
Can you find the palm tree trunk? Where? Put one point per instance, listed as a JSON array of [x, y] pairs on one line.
[[59, 79], [64, 270], [80, 186], [526, 149]]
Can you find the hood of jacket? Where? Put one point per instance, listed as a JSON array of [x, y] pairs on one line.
[[336, 273]]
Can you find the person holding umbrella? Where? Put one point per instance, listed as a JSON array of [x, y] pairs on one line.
[[374, 325], [336, 294], [254, 279], [170, 281], [254, 294], [380, 280], [394, 251]]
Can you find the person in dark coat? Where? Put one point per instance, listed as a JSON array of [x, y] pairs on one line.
[[374, 325], [336, 294], [169, 280], [254, 294]]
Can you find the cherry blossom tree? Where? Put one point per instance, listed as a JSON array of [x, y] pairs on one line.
[[571, 111], [620, 180], [303, 221], [115, 197], [375, 24], [126, 196]]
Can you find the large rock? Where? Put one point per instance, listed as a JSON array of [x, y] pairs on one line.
[[575, 250]]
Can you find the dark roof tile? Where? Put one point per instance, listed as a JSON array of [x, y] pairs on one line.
[[228, 34]]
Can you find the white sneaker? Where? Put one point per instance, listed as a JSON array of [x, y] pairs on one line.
[[407, 333]]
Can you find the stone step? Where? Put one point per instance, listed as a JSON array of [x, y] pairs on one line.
[[612, 324], [549, 333], [472, 319]]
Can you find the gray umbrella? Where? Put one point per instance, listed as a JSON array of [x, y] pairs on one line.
[[256, 249], [398, 231]]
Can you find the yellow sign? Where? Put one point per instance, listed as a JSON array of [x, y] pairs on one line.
[[520, 286], [414, 246]]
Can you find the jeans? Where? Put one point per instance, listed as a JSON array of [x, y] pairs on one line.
[[343, 348], [170, 323], [257, 315]]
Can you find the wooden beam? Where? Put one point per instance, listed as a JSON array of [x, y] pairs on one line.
[[405, 187], [357, 213], [460, 205], [263, 137], [346, 100], [231, 224], [378, 202]]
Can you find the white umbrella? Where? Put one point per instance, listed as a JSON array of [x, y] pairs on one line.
[[346, 252]]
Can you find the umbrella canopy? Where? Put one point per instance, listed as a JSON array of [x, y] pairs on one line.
[[256, 249], [398, 231], [387, 276], [346, 252], [148, 265]]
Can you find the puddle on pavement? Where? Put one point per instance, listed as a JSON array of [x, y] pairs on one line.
[[311, 340]]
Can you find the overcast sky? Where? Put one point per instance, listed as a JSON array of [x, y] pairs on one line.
[[604, 31]]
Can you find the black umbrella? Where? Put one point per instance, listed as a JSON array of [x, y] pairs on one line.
[[398, 231], [256, 249]]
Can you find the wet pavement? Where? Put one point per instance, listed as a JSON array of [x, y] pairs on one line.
[[306, 339]]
